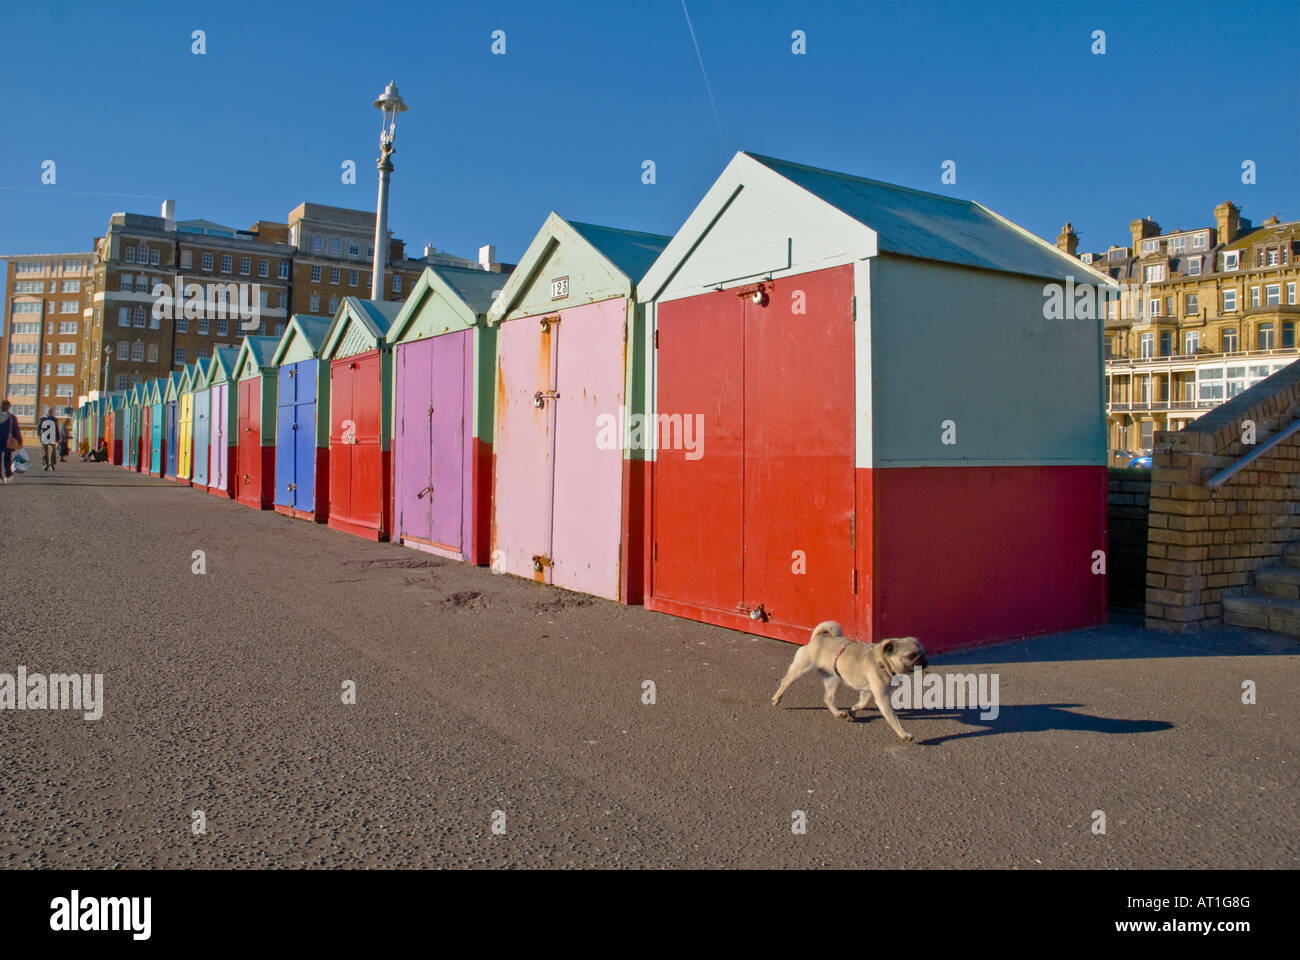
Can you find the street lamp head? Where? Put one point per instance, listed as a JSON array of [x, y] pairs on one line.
[[391, 104]]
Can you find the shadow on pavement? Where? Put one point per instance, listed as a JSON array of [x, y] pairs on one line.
[[1031, 718]]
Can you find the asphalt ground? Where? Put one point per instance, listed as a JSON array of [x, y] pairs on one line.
[[483, 698]]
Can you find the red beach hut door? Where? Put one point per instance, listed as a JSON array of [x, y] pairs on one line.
[[249, 451], [761, 513]]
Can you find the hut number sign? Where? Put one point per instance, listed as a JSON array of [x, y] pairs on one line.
[[559, 288]]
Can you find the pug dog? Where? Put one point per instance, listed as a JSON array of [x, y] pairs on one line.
[[866, 667]]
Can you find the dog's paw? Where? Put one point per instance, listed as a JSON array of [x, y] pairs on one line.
[[843, 715], [907, 737]]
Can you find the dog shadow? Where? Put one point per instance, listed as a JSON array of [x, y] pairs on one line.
[[1028, 718]]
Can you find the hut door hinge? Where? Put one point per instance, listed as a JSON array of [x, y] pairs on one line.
[[855, 581], [656, 339], [540, 561]]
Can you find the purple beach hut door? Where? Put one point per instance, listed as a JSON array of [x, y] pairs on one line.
[[431, 443]]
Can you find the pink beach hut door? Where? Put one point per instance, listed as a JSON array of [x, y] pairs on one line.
[[431, 440]]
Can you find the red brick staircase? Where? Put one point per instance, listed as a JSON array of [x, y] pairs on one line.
[[1275, 602]]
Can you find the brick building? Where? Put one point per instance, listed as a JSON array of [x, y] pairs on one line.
[[1203, 315], [46, 296]]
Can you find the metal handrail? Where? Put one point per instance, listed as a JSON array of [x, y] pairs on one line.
[[1227, 473]]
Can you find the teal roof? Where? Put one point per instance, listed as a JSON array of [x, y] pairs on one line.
[[228, 356], [478, 288], [378, 313], [629, 250], [262, 349], [313, 329], [929, 226]]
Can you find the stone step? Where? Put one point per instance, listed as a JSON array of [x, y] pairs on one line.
[[1291, 555], [1263, 613], [1278, 581]]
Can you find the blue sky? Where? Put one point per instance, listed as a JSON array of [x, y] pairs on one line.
[[1041, 129]]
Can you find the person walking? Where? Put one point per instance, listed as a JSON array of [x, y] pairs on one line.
[[64, 438], [11, 439], [47, 429]]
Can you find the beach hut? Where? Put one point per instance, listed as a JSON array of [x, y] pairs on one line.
[[114, 427], [302, 437], [863, 414], [444, 369], [157, 446], [223, 420], [201, 400], [254, 375], [567, 502], [134, 425], [361, 374], [171, 394], [185, 424]]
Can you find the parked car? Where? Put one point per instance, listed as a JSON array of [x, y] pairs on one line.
[[1142, 462]]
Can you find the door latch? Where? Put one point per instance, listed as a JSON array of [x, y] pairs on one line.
[[540, 561], [426, 490], [541, 396]]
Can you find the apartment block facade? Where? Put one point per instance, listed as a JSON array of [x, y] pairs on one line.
[[45, 315], [1202, 315]]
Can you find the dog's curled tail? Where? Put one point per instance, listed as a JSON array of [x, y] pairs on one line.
[[827, 628]]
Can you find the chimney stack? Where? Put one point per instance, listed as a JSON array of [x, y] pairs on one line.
[[169, 214], [487, 256], [1068, 240], [1227, 220], [1141, 230]]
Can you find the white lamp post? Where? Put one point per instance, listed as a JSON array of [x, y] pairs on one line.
[[391, 104]]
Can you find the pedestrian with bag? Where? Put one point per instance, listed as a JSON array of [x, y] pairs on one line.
[[11, 439]]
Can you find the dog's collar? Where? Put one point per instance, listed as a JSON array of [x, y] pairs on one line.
[[882, 663]]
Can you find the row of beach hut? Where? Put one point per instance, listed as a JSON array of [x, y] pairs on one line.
[[824, 398]]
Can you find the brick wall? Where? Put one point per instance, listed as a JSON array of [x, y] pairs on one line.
[[1127, 496], [1204, 544]]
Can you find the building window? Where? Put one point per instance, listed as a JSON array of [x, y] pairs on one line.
[[336, 246], [153, 353], [1193, 265], [201, 354], [352, 278], [124, 316], [155, 258], [1229, 300], [178, 356], [1288, 334], [206, 262], [1273, 294], [128, 283], [284, 270], [279, 329], [223, 326], [1200, 240], [1254, 296], [71, 286], [354, 248], [1155, 306], [27, 306], [69, 306], [1106, 348], [284, 299], [1193, 305], [245, 266], [138, 316], [1148, 345], [264, 268], [1150, 246], [203, 326], [226, 262], [129, 254], [262, 296], [1154, 273], [334, 275], [1230, 340], [1290, 292], [65, 369], [123, 350], [334, 304], [1230, 260], [119, 382], [67, 349], [1270, 259], [67, 326], [187, 259], [1191, 342], [1166, 343], [397, 283], [315, 274], [182, 324], [315, 302], [317, 244], [1264, 337]]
